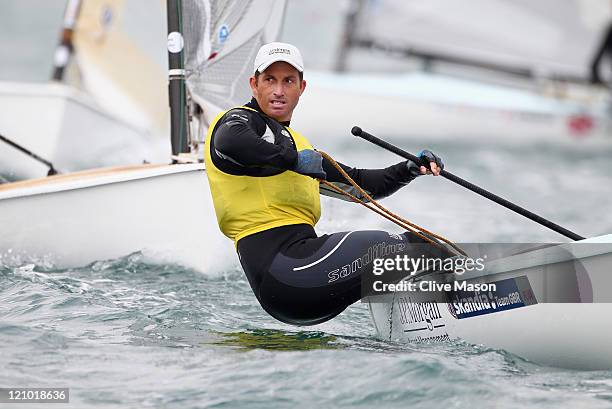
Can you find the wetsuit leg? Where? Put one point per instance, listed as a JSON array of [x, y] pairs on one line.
[[307, 279]]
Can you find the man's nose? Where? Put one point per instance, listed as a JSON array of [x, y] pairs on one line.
[[278, 89]]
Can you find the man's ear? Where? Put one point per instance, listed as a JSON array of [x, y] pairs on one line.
[[253, 84], [302, 87]]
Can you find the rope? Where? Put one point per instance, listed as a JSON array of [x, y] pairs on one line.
[[384, 212], [391, 316]]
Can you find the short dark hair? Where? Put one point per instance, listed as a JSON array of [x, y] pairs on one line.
[[300, 73]]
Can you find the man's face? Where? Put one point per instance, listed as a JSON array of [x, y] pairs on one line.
[[277, 90]]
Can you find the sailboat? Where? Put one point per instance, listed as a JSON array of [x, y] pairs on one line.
[[93, 111], [77, 218], [483, 71], [549, 303]]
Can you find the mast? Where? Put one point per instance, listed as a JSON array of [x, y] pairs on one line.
[[176, 76], [354, 8], [64, 49]]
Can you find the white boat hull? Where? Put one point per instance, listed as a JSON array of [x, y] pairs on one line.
[[72, 220], [575, 336], [562, 334], [65, 127]]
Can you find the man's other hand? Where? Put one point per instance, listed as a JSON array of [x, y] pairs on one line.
[[426, 156], [435, 163]]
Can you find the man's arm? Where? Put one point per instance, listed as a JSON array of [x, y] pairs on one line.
[[240, 139], [378, 183]]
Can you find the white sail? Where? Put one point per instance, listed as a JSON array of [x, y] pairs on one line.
[[544, 36], [120, 52], [221, 40]]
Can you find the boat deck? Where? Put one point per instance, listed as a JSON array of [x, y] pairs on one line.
[[85, 174]]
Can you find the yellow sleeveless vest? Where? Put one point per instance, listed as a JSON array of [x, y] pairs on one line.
[[246, 205]]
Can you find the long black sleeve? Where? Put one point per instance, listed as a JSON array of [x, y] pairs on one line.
[[379, 183], [240, 138]]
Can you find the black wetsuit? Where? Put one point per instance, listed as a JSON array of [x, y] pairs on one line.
[[297, 277]]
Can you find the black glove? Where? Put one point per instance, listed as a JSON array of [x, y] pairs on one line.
[[426, 156], [310, 163]]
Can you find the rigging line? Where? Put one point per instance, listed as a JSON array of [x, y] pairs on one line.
[[377, 211], [52, 170], [400, 222], [392, 216]]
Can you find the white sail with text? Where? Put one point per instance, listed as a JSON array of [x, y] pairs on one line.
[[221, 40]]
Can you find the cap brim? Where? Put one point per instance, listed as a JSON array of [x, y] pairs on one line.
[[265, 65]]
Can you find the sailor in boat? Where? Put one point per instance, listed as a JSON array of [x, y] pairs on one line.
[[264, 182]]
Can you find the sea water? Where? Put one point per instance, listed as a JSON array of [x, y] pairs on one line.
[[139, 332]]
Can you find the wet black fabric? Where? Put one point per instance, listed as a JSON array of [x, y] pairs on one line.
[[304, 279]]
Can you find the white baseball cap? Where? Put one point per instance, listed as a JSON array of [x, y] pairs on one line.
[[270, 53]]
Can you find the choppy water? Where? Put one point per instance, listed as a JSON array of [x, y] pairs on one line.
[[135, 333], [130, 334]]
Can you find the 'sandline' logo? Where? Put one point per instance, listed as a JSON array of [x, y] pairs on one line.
[[374, 252]]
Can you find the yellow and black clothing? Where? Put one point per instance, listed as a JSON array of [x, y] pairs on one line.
[[270, 212], [248, 197]]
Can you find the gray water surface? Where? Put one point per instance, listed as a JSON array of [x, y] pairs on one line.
[[136, 333]]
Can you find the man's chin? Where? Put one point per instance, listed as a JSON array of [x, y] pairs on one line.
[[278, 114]]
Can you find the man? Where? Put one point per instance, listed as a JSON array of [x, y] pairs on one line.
[[263, 178]]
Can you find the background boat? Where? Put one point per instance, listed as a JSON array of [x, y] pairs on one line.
[[82, 217], [422, 74], [104, 101]]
